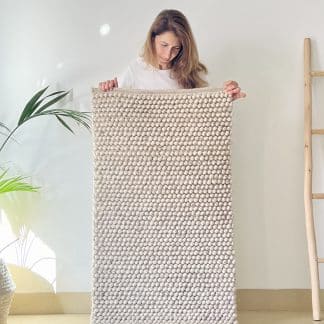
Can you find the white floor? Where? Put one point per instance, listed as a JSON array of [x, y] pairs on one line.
[[246, 317]]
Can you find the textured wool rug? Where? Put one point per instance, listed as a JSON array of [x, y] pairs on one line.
[[163, 231]]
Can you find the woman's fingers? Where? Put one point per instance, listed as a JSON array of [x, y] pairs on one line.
[[232, 88], [108, 85], [241, 95], [230, 84], [235, 90], [238, 95], [102, 86]]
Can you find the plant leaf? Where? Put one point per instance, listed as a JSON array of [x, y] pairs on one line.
[[14, 184], [32, 110], [50, 95], [77, 116], [30, 106], [51, 102], [64, 123]]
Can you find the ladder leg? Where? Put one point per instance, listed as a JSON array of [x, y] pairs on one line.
[[312, 250], [316, 295], [308, 198], [313, 265]]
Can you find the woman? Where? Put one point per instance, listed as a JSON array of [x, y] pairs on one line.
[[169, 60]]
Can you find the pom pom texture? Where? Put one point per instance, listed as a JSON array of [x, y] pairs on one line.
[[163, 228]]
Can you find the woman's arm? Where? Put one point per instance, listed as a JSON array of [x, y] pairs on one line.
[[125, 80]]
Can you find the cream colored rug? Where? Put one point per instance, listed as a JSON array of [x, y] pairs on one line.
[[163, 230]]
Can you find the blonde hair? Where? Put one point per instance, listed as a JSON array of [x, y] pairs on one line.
[[185, 67]]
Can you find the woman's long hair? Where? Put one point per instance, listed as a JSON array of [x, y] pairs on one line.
[[185, 67]]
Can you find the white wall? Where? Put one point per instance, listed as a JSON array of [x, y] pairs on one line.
[[258, 43]]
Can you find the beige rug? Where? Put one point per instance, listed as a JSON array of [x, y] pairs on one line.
[[163, 231]]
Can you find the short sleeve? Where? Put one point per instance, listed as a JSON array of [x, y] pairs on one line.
[[126, 79], [205, 77]]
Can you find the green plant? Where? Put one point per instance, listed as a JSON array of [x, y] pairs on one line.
[[38, 105], [14, 184]]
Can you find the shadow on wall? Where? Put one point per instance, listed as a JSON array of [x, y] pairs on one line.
[[32, 263]]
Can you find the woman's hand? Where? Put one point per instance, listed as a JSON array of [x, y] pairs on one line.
[[233, 89], [108, 85]]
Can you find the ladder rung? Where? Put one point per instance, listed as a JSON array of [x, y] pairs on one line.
[[320, 260], [318, 196], [318, 131], [317, 73]]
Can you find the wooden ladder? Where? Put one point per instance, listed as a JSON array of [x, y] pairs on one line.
[[314, 260]]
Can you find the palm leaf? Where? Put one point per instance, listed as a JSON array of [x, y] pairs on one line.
[[34, 109], [34, 103], [64, 123], [52, 102], [14, 184], [82, 118], [30, 106], [79, 117], [50, 95]]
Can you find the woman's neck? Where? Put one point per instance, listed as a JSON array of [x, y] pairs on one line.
[[157, 65], [161, 67]]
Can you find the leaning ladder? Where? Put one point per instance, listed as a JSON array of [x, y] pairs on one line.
[[308, 190]]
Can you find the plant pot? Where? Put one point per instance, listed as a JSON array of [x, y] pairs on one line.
[[7, 288]]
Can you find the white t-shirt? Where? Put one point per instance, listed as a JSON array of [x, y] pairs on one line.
[[141, 75]]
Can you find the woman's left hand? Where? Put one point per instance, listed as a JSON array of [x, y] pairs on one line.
[[233, 89]]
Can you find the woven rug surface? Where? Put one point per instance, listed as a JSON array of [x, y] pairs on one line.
[[163, 230]]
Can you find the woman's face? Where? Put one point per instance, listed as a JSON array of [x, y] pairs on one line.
[[167, 47]]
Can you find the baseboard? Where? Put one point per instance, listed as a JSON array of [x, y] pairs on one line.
[[80, 303], [276, 299]]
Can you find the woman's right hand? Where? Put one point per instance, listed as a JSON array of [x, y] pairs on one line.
[[108, 85]]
